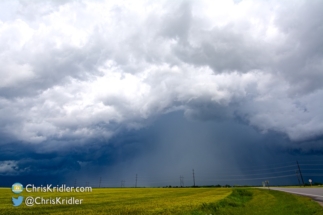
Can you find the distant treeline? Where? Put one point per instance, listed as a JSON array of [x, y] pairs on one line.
[[227, 185]]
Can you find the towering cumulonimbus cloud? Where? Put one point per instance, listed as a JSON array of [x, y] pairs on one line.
[[77, 70]]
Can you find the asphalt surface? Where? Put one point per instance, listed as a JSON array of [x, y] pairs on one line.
[[314, 193]]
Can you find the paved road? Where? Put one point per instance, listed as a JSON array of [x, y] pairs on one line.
[[315, 193]]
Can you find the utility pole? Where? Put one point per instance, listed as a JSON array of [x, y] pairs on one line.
[[181, 181], [75, 183], [297, 175], [299, 169], [136, 181], [100, 183], [193, 178]]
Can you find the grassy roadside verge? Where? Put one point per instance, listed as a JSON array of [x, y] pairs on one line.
[[257, 201]]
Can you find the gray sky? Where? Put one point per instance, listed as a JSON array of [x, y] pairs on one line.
[[81, 79]]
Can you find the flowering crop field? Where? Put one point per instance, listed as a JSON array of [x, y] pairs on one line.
[[177, 201], [117, 201]]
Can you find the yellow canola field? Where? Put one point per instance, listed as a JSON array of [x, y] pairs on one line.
[[116, 201]]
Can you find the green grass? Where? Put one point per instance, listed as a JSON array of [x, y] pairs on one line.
[[261, 201], [314, 186], [178, 201]]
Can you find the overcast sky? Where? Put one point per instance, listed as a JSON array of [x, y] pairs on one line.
[[92, 89]]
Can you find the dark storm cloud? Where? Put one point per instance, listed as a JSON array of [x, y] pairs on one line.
[[77, 75], [219, 152], [25, 160]]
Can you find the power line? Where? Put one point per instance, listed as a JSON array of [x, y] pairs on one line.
[[221, 179], [272, 168], [312, 160], [265, 166], [261, 173], [240, 179]]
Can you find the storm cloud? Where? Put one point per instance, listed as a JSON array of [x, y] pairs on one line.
[[80, 77]]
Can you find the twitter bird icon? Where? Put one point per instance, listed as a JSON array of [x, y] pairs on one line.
[[17, 201]]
